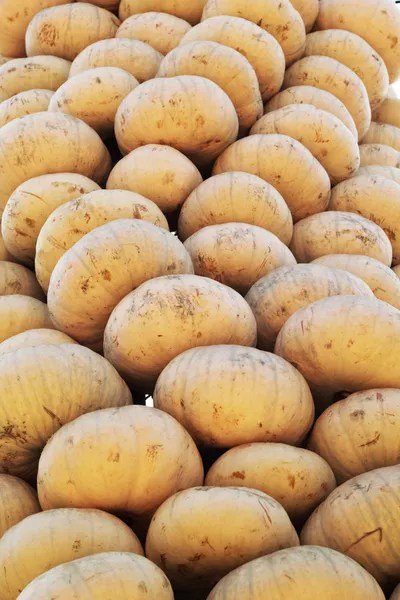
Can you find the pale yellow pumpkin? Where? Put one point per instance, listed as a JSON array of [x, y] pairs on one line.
[[388, 111], [392, 173], [379, 154], [24, 103], [190, 11], [19, 313], [17, 501], [34, 337], [16, 279], [308, 10], [382, 133], [161, 31], [38, 72]]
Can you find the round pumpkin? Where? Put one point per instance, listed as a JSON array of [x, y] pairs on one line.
[[161, 31], [190, 11], [18, 500], [388, 111], [34, 337], [382, 133], [24, 103], [19, 313], [38, 72], [392, 173], [16, 279], [379, 154]]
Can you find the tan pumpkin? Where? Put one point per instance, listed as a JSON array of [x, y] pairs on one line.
[[208, 391], [337, 232], [298, 479], [323, 134], [32, 203], [237, 254], [259, 47], [34, 337], [191, 11], [19, 313], [345, 84], [187, 311], [66, 30], [308, 10], [375, 198], [354, 52], [44, 136], [344, 343], [275, 297], [361, 519], [189, 113], [226, 67], [279, 18], [74, 219], [203, 513], [396, 270], [236, 197], [4, 253], [379, 154], [38, 72], [17, 501], [388, 111], [382, 281], [137, 58], [24, 103], [125, 574], [307, 94], [360, 433], [382, 133], [392, 173], [16, 279], [303, 183], [303, 573], [56, 537], [94, 97], [160, 173], [161, 31]]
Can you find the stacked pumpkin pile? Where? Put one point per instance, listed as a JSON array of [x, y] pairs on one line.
[[200, 204]]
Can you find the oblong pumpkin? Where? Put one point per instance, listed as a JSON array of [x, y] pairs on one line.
[[207, 391], [259, 47], [275, 297], [191, 11], [19, 313], [303, 183], [38, 72], [382, 280], [344, 343], [392, 173], [17, 501], [264, 526], [294, 572], [382, 133], [298, 479], [103, 267], [56, 537], [360, 433], [337, 232], [94, 97], [38, 401], [384, 36], [178, 305], [161, 31], [24, 103], [43, 136], [307, 94], [16, 279], [137, 58], [375, 198], [74, 219], [388, 111], [66, 30], [160, 173], [35, 337], [189, 113], [323, 134], [127, 574], [237, 254], [236, 197], [308, 10], [226, 67], [279, 18], [32, 203], [361, 519], [379, 154], [332, 76], [354, 52], [127, 460]]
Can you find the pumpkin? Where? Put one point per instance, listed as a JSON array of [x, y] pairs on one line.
[[16, 279], [338, 232], [379, 154], [396, 594], [392, 173], [25, 74], [308, 10], [278, 295], [191, 11], [382, 133], [74, 219], [189, 113], [25, 103], [32, 203], [186, 311], [208, 391], [161, 31], [37, 401], [388, 111], [360, 433], [236, 254], [236, 197], [4, 253], [55, 537], [259, 47], [361, 519], [17, 501], [126, 460], [323, 134], [285, 164], [203, 513], [332, 76], [396, 270], [19, 313], [34, 337]]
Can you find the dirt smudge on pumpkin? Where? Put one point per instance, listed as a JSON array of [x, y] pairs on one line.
[[239, 475]]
